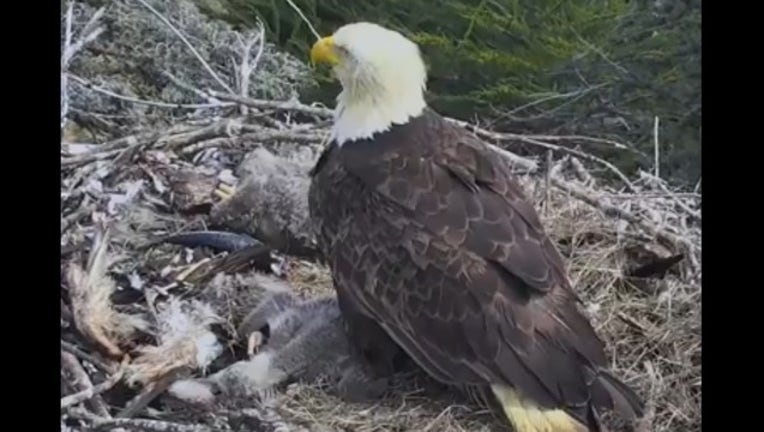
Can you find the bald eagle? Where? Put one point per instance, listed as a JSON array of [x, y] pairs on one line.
[[436, 253]]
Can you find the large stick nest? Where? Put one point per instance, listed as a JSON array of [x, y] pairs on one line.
[[143, 157]]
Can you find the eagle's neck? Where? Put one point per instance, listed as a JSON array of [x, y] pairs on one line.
[[364, 112]]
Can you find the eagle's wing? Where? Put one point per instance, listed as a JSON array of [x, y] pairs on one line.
[[466, 279]]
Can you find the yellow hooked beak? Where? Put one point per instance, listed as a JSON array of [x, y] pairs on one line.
[[323, 52]]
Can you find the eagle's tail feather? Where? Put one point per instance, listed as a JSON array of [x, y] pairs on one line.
[[525, 416]]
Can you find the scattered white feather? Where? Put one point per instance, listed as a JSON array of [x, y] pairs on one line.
[[188, 255], [135, 280], [226, 176], [192, 391], [90, 293], [184, 341], [208, 349]]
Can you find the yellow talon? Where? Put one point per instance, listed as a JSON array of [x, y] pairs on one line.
[[253, 342], [224, 191]]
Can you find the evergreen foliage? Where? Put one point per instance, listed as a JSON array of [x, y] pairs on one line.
[[597, 67]]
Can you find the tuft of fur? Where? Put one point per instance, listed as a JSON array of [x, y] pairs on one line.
[[184, 342], [90, 293], [192, 391]]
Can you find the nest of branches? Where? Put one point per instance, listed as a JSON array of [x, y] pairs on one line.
[[144, 162]]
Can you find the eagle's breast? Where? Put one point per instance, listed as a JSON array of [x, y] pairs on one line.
[[339, 201]]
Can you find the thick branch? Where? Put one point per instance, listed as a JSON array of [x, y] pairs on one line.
[[274, 105], [89, 85]]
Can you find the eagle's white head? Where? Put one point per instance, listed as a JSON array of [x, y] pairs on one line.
[[382, 74]]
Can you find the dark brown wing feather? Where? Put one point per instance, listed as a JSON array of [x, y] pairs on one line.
[[439, 246]]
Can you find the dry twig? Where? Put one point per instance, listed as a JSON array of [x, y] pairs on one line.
[[159, 104], [82, 355], [91, 391], [88, 34], [274, 105], [82, 381], [659, 183], [147, 395], [100, 423], [247, 67], [90, 292]]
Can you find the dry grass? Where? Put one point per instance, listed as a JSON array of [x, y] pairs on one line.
[[652, 328]]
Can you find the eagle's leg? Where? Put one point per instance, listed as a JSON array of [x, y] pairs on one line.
[[224, 191], [376, 347], [369, 343], [356, 385]]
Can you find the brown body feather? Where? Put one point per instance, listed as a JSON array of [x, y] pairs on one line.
[[434, 249]]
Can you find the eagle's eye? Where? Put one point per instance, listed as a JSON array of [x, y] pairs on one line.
[[342, 51]]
